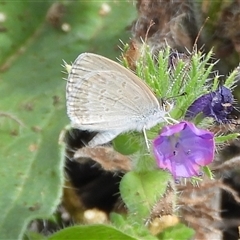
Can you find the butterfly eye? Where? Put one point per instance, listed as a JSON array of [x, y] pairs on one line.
[[167, 106]]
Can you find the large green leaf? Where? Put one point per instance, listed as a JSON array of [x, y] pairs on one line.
[[32, 90], [140, 190], [93, 232]]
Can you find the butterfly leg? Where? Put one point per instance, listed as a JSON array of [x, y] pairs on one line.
[[103, 137], [170, 120], [145, 138]]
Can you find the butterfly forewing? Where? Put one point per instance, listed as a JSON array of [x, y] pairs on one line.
[[102, 94]]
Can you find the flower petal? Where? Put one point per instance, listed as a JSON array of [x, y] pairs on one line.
[[183, 148]]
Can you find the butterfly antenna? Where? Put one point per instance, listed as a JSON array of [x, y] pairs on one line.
[[148, 29], [199, 32]]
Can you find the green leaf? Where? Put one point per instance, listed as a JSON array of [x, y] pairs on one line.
[[127, 143], [33, 236], [228, 137], [117, 219], [231, 79], [31, 177], [208, 172], [140, 190], [15, 32], [179, 232], [93, 232], [121, 222], [33, 92]]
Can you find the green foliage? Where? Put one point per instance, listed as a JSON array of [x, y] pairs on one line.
[[93, 232], [191, 76], [179, 232], [231, 79], [140, 190], [29, 235], [124, 145], [226, 138], [208, 172]]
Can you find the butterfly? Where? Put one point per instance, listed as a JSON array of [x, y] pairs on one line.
[[105, 97]]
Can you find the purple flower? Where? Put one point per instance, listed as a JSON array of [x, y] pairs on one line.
[[183, 148], [217, 104]]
